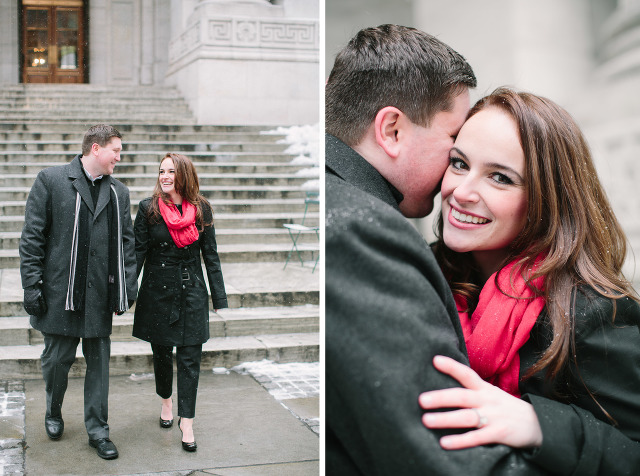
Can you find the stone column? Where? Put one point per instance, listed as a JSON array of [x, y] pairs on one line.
[[246, 62], [114, 45], [147, 37], [99, 39], [9, 43], [162, 35]]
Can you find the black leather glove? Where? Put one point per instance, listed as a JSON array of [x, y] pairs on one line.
[[34, 302]]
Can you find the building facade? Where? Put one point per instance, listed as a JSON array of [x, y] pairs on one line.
[[235, 61]]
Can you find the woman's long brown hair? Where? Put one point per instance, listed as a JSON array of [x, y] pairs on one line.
[[186, 184], [569, 219]]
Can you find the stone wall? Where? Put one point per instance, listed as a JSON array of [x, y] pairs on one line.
[[247, 63]]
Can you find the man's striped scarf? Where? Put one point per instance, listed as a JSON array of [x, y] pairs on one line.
[[118, 301]]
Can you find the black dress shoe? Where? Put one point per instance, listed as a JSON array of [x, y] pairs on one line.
[[166, 423], [106, 448], [54, 426], [187, 446]]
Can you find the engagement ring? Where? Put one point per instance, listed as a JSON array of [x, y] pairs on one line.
[[482, 420]]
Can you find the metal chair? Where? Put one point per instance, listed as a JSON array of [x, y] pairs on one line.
[[295, 230]]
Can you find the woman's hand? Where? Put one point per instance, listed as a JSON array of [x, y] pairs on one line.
[[498, 416]]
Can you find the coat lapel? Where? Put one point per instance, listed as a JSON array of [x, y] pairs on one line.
[[80, 182]]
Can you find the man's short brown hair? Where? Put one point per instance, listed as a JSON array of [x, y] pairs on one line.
[[392, 65], [100, 134]]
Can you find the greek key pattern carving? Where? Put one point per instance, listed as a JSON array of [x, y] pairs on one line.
[[241, 33], [278, 33], [221, 31], [263, 33]]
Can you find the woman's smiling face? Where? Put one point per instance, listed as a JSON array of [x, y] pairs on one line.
[[484, 201], [167, 175]]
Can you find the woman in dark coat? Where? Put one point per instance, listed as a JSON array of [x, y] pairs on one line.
[[172, 229], [534, 256]]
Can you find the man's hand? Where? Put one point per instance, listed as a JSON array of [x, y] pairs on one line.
[[34, 302]]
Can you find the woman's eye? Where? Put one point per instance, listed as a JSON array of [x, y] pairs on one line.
[[501, 178], [457, 163]]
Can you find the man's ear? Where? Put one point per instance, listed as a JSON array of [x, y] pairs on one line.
[[388, 124], [95, 147]]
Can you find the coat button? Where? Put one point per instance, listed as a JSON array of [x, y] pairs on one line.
[[163, 265], [184, 287], [90, 284]]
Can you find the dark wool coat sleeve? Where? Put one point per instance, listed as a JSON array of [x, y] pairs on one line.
[[33, 240], [389, 311], [578, 438], [141, 233], [128, 242], [209, 250]]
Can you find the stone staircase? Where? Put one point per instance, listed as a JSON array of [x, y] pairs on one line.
[[250, 178]]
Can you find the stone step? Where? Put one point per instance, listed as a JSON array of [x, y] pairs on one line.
[[80, 99], [96, 117], [225, 236], [229, 253], [23, 361], [247, 172], [48, 106], [225, 323], [149, 180], [30, 169], [161, 146], [101, 91], [17, 207], [95, 104], [148, 156], [75, 137], [212, 192], [221, 220], [80, 126], [84, 103], [248, 285]]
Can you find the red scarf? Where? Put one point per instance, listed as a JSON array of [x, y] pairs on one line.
[[500, 326], [182, 228]]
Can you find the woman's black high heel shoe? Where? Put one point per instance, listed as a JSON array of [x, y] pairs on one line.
[[187, 446], [166, 423]]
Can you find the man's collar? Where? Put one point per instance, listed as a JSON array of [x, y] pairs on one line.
[[346, 163], [86, 172]]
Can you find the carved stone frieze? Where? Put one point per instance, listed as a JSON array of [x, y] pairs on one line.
[[243, 33]]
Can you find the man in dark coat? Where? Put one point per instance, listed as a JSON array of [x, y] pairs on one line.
[[78, 267], [395, 100]]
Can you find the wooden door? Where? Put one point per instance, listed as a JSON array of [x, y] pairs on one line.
[[53, 41]]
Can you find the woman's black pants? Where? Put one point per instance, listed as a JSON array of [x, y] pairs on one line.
[[188, 365]]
